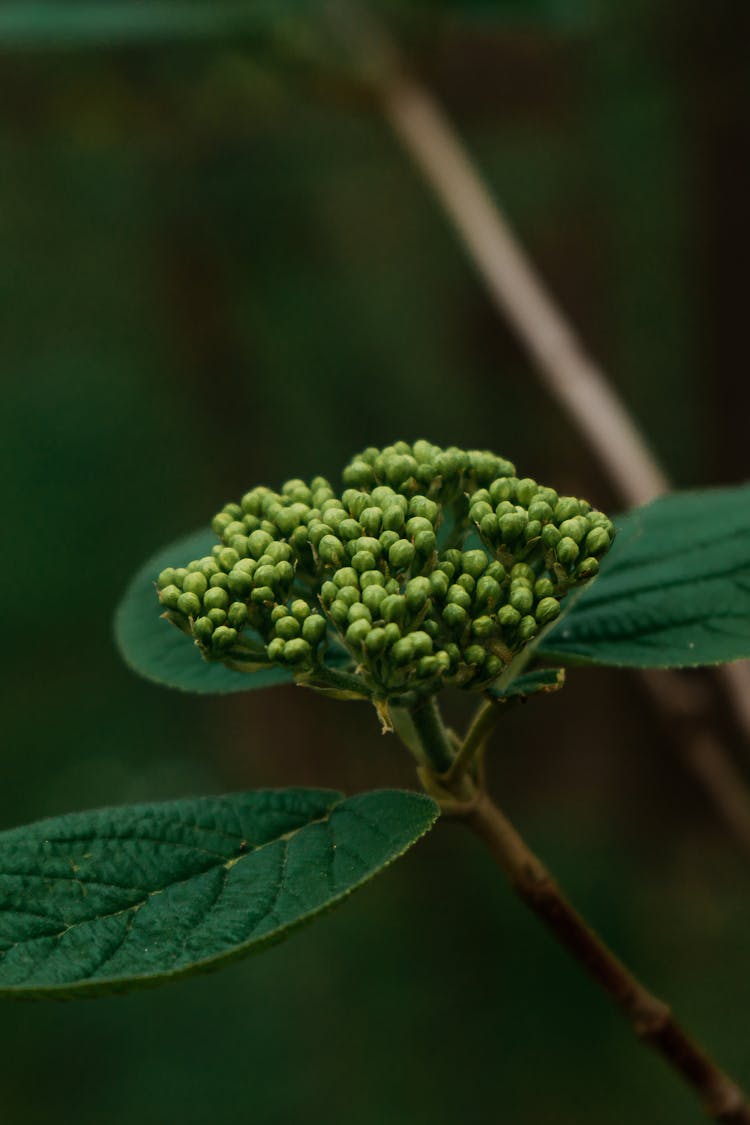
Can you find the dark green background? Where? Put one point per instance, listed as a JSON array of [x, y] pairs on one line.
[[219, 269]]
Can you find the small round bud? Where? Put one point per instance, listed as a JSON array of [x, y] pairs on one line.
[[371, 578], [428, 667], [522, 570], [504, 488], [349, 529], [296, 651], [565, 509], [375, 641], [417, 524], [526, 491], [588, 568], [422, 506], [287, 628], [349, 595], [521, 598], [169, 596], [278, 612], [479, 511], [371, 520], [328, 592], [331, 550], [402, 652], [544, 588], [387, 539], [300, 609], [359, 473], [237, 615], [532, 530], [262, 594], [393, 608], [425, 542], [466, 582], [483, 627], [550, 536], [511, 526], [189, 604], [458, 596], [421, 642], [393, 518], [401, 554], [540, 510], [417, 592], [489, 528], [373, 597], [496, 570], [474, 563], [487, 592], [202, 629], [493, 666], [221, 521], [357, 632], [439, 583], [475, 655], [363, 561], [240, 583], [217, 617], [574, 529], [567, 551], [392, 633], [257, 543], [527, 627], [166, 578], [223, 637], [455, 616], [359, 612], [597, 541], [275, 649], [314, 629], [339, 613], [547, 610], [508, 617], [267, 575], [346, 576]]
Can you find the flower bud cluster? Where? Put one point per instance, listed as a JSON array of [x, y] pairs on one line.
[[385, 574]]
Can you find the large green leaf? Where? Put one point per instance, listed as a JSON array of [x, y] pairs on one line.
[[674, 591], [158, 650], [126, 897]]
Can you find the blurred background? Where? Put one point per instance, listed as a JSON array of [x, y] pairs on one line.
[[219, 269]]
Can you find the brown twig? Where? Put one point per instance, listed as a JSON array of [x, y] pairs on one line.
[[651, 1019]]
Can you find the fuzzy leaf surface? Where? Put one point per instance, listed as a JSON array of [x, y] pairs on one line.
[[674, 591], [119, 898]]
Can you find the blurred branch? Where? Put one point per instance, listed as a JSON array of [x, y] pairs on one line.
[[570, 375]]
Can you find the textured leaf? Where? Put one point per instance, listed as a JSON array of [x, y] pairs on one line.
[[674, 591], [126, 897], [159, 651]]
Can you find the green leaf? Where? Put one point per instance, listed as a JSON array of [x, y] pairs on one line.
[[127, 897], [674, 591], [529, 683], [158, 650]]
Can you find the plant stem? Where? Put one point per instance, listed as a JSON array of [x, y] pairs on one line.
[[651, 1019]]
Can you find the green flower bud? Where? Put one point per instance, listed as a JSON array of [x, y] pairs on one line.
[[508, 617], [257, 543], [575, 528], [532, 530], [527, 627], [431, 627], [399, 469], [286, 519], [402, 652], [489, 528], [474, 563], [393, 608], [349, 529], [267, 575], [382, 496], [547, 610], [314, 629], [417, 524], [540, 510], [296, 651], [442, 659], [479, 511], [493, 666], [588, 568], [475, 655], [487, 592], [359, 612], [392, 633], [417, 592], [166, 578], [170, 596], [392, 586], [299, 538], [209, 566], [221, 521], [217, 616], [278, 612], [526, 490], [363, 561], [544, 588], [524, 571], [238, 543], [565, 509], [357, 632], [275, 649], [521, 598], [300, 609], [511, 526], [375, 641], [359, 473], [425, 542], [567, 551], [223, 637], [216, 598], [331, 550], [458, 596], [421, 642], [334, 517], [371, 520], [447, 568], [240, 583], [227, 558], [466, 582], [237, 615], [371, 578], [339, 612], [496, 570], [401, 554], [373, 597], [550, 536], [504, 488], [455, 616], [422, 506], [439, 583], [428, 667], [316, 529], [328, 592], [279, 552], [219, 581], [236, 527], [349, 595], [483, 627], [287, 628], [597, 541], [202, 629], [251, 523], [388, 538], [346, 576], [262, 594], [393, 518]]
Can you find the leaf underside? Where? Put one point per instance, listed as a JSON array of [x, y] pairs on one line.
[[159, 651], [674, 591], [120, 898]]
